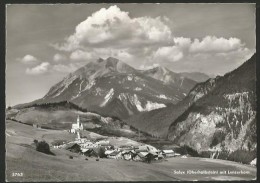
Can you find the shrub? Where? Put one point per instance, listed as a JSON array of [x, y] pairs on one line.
[[58, 142], [35, 141], [218, 137], [223, 155], [101, 152], [187, 150], [43, 147], [205, 154], [242, 156]]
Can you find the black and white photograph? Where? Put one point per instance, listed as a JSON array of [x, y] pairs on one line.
[[130, 92]]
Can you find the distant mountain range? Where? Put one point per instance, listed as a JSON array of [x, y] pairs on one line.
[[111, 87], [179, 81], [217, 114], [196, 76]]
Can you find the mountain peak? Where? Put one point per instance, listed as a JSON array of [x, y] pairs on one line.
[[159, 70], [162, 68], [99, 60], [101, 67], [112, 59], [112, 62]]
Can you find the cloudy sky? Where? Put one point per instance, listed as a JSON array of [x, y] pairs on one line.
[[46, 42]]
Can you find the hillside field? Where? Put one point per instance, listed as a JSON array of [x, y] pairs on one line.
[[36, 166]]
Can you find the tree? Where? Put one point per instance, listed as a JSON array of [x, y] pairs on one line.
[[43, 147], [101, 152], [35, 141]]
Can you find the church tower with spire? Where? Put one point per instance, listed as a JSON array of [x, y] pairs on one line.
[[77, 126]]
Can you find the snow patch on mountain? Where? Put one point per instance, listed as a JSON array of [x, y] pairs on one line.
[[80, 86], [164, 97], [138, 89], [148, 106], [129, 78], [109, 95], [123, 97], [153, 105], [89, 85]]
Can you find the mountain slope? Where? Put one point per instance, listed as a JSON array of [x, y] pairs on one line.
[[224, 119], [196, 76], [157, 122], [170, 78], [111, 87], [61, 115]]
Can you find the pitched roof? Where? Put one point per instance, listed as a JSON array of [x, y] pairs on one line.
[[84, 150], [108, 152], [153, 153], [69, 146], [160, 156], [142, 154], [114, 153], [168, 151], [143, 148]]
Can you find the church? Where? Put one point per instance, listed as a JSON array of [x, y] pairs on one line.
[[76, 126]]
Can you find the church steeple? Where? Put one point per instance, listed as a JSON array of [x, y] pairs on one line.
[[78, 120]]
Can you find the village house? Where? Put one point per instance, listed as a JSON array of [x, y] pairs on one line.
[[142, 149], [140, 156], [168, 153], [90, 152], [103, 143], [128, 154], [114, 155]]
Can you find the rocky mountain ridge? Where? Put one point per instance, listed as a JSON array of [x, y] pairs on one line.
[[225, 118], [111, 87]]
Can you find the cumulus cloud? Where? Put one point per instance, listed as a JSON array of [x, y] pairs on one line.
[[143, 42], [95, 53], [81, 55], [114, 27], [39, 69], [28, 59], [170, 53], [65, 68], [59, 57], [182, 42], [206, 47], [214, 44]]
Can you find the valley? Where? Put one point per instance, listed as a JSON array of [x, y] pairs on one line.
[[37, 166]]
